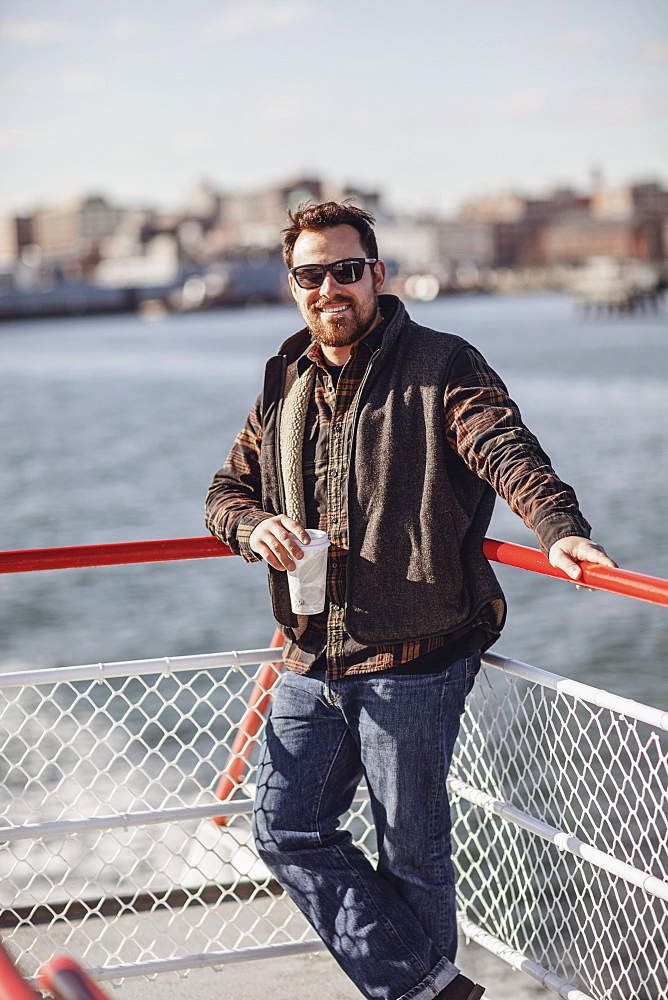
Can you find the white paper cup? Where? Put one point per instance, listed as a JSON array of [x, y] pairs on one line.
[[308, 580]]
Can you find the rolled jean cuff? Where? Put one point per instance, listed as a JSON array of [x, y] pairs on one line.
[[439, 977]]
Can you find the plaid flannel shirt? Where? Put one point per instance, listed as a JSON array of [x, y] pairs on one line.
[[474, 397]]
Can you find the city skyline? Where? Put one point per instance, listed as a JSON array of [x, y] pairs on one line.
[[429, 104], [488, 204]]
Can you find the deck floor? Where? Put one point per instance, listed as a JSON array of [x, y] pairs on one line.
[[311, 976]]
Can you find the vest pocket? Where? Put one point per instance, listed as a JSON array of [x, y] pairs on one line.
[[408, 586]]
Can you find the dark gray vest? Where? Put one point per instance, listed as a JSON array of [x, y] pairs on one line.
[[417, 514]]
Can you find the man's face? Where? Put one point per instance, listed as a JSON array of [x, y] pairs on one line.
[[337, 315]]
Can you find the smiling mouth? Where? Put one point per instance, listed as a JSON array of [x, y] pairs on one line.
[[334, 308]]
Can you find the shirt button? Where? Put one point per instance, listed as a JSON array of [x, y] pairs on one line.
[[337, 427], [335, 563], [335, 607], [334, 473]]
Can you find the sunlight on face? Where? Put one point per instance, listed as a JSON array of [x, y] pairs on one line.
[[337, 315]]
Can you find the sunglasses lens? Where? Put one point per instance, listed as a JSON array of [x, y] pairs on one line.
[[343, 271], [347, 271], [310, 276]]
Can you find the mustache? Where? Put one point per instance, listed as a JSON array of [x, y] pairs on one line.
[[321, 303]]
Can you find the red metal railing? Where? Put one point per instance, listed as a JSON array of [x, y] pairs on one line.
[[115, 554], [615, 581]]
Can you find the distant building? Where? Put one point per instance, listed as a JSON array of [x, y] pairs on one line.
[[130, 235], [154, 263], [446, 249], [204, 203], [8, 241], [566, 227], [369, 200], [611, 203], [520, 243], [650, 211], [624, 224], [573, 241], [16, 234], [74, 228], [649, 199], [508, 207], [256, 218], [464, 242], [412, 246]]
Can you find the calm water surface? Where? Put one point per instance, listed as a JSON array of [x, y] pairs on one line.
[[111, 428]]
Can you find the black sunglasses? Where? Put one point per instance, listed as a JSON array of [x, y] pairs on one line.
[[343, 271]]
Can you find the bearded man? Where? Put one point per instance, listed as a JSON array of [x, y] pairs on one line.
[[392, 438]]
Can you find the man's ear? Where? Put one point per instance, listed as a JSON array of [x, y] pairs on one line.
[[293, 286], [378, 276]]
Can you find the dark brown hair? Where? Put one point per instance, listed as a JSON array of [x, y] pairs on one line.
[[326, 215]]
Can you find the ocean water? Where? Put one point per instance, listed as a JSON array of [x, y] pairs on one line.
[[111, 428]]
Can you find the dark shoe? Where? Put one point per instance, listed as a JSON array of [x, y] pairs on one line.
[[461, 988]]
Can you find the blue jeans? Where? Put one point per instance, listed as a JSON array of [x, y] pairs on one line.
[[392, 929]]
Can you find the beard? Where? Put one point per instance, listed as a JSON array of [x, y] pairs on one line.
[[340, 329]]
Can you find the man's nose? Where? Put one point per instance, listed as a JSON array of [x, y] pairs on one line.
[[330, 285]]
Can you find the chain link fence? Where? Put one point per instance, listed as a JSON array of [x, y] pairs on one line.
[[108, 847], [561, 808]]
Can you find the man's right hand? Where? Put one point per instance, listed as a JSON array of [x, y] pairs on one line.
[[272, 539]]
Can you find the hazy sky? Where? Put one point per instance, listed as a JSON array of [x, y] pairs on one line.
[[429, 100]]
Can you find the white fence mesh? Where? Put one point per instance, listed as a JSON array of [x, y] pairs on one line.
[[565, 856], [107, 847]]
